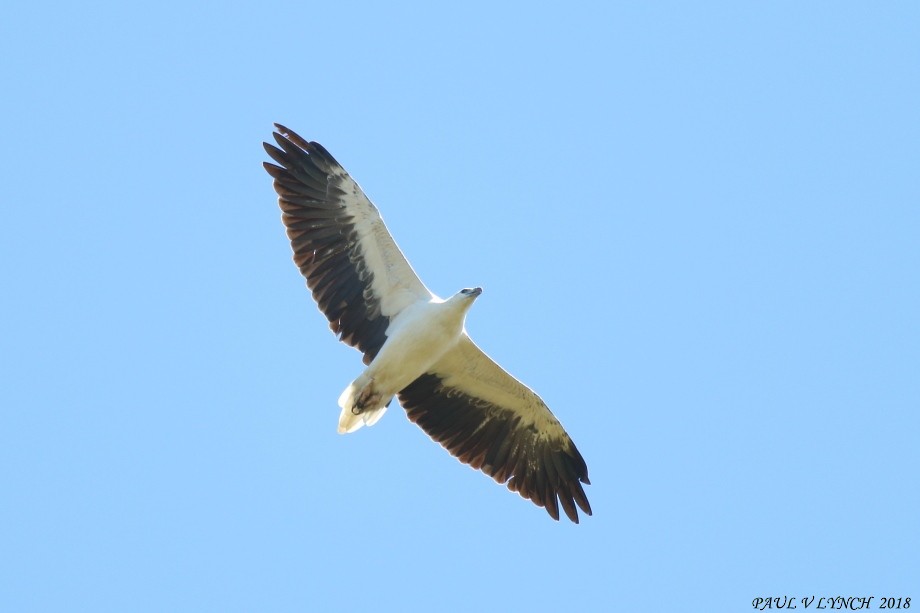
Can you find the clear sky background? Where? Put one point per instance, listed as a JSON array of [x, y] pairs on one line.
[[698, 230]]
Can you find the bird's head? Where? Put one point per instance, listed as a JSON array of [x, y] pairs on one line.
[[465, 298], [470, 293]]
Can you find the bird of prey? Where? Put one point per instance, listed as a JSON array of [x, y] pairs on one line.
[[415, 344]]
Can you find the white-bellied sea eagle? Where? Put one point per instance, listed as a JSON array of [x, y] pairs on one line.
[[414, 343]]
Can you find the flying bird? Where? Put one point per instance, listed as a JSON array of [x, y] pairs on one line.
[[415, 344]]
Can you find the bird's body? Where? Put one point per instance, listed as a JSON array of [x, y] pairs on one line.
[[416, 339], [414, 343]]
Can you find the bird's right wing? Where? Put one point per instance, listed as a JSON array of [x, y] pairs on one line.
[[359, 277]]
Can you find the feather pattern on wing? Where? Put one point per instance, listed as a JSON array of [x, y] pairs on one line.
[[496, 424], [359, 277]]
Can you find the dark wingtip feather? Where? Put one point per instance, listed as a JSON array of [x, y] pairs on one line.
[[500, 448], [291, 136], [579, 494], [286, 132], [569, 507], [319, 227], [551, 506]]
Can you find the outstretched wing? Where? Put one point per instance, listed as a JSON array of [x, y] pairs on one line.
[[496, 424], [359, 277]]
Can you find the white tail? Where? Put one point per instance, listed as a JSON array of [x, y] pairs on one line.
[[362, 387]]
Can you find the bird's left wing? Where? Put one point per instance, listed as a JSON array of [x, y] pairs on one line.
[[496, 424], [359, 277]]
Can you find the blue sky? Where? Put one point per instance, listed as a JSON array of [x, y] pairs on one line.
[[696, 225]]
